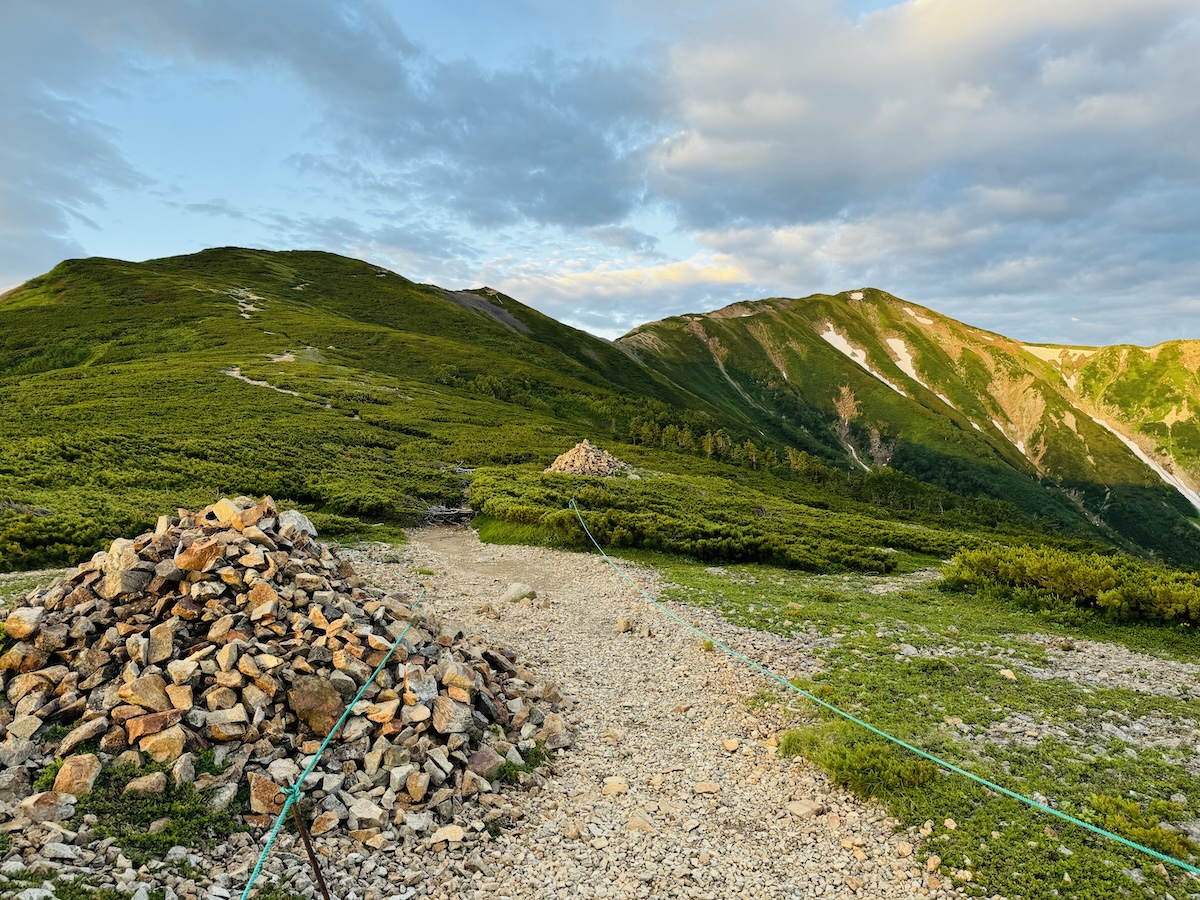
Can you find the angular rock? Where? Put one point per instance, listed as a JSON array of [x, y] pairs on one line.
[[123, 583], [452, 834], [517, 591], [200, 556], [450, 716], [368, 814], [326, 821], [261, 593], [182, 670], [86, 731], [422, 685], [154, 783], [296, 522], [148, 692], [23, 622], [266, 797], [136, 729], [485, 762], [48, 806], [614, 785], [316, 703], [25, 727], [805, 809], [162, 641], [77, 775], [417, 785], [164, 746]]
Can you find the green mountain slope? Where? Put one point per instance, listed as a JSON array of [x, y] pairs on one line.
[[1061, 432], [127, 388]]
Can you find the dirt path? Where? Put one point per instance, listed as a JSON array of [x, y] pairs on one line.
[[654, 799]]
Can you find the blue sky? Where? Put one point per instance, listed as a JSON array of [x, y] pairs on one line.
[[1030, 166]]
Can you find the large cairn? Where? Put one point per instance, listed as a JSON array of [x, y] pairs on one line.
[[234, 630], [585, 458]]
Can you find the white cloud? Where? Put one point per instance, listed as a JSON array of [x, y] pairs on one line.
[[999, 159]]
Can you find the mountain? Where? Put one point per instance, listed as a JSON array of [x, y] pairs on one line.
[[366, 398], [1109, 431]]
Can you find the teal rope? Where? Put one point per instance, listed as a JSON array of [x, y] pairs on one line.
[[292, 794], [871, 728]]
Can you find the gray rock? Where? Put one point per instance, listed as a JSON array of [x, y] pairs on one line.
[[517, 591], [346, 686], [56, 850], [296, 521], [14, 784], [48, 806]]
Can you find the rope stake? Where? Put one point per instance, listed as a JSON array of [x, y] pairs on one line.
[[1187, 867]]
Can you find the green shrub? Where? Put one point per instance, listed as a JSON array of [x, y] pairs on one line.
[[860, 762], [190, 820], [1070, 587], [1144, 825], [45, 779]]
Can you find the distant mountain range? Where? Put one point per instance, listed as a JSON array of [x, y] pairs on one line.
[[355, 391], [1112, 430]]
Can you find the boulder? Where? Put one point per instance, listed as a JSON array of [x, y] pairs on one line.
[[316, 702], [23, 622], [77, 775]]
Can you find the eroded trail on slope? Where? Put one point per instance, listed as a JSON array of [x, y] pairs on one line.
[[654, 798]]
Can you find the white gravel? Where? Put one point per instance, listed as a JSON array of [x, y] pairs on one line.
[[654, 713]]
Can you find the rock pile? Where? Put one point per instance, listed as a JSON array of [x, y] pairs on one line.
[[587, 459], [234, 630]]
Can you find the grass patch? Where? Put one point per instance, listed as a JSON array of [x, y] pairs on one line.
[[535, 758], [189, 818], [862, 763], [45, 778]]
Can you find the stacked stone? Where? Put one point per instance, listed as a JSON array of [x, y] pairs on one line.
[[234, 629], [586, 458]]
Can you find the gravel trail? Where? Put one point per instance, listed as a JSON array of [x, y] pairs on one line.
[[672, 788]]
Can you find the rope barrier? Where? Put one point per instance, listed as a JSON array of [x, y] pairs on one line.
[[1193, 870], [292, 794]]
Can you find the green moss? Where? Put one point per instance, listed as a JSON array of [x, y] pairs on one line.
[[535, 758], [45, 778], [189, 818]]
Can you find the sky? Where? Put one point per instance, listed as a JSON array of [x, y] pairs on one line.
[[1027, 166]]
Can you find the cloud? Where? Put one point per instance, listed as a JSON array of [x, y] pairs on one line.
[[218, 206], [56, 160], [623, 237], [555, 140], [798, 114], [1016, 163]]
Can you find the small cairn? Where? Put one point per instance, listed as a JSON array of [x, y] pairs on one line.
[[234, 629], [585, 458]]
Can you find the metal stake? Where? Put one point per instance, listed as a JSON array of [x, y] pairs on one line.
[[312, 857]]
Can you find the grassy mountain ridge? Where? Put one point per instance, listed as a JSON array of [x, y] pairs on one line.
[[127, 388], [967, 409]]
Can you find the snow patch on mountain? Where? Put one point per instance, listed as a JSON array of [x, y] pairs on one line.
[[922, 319], [835, 340], [904, 360], [1169, 477]]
